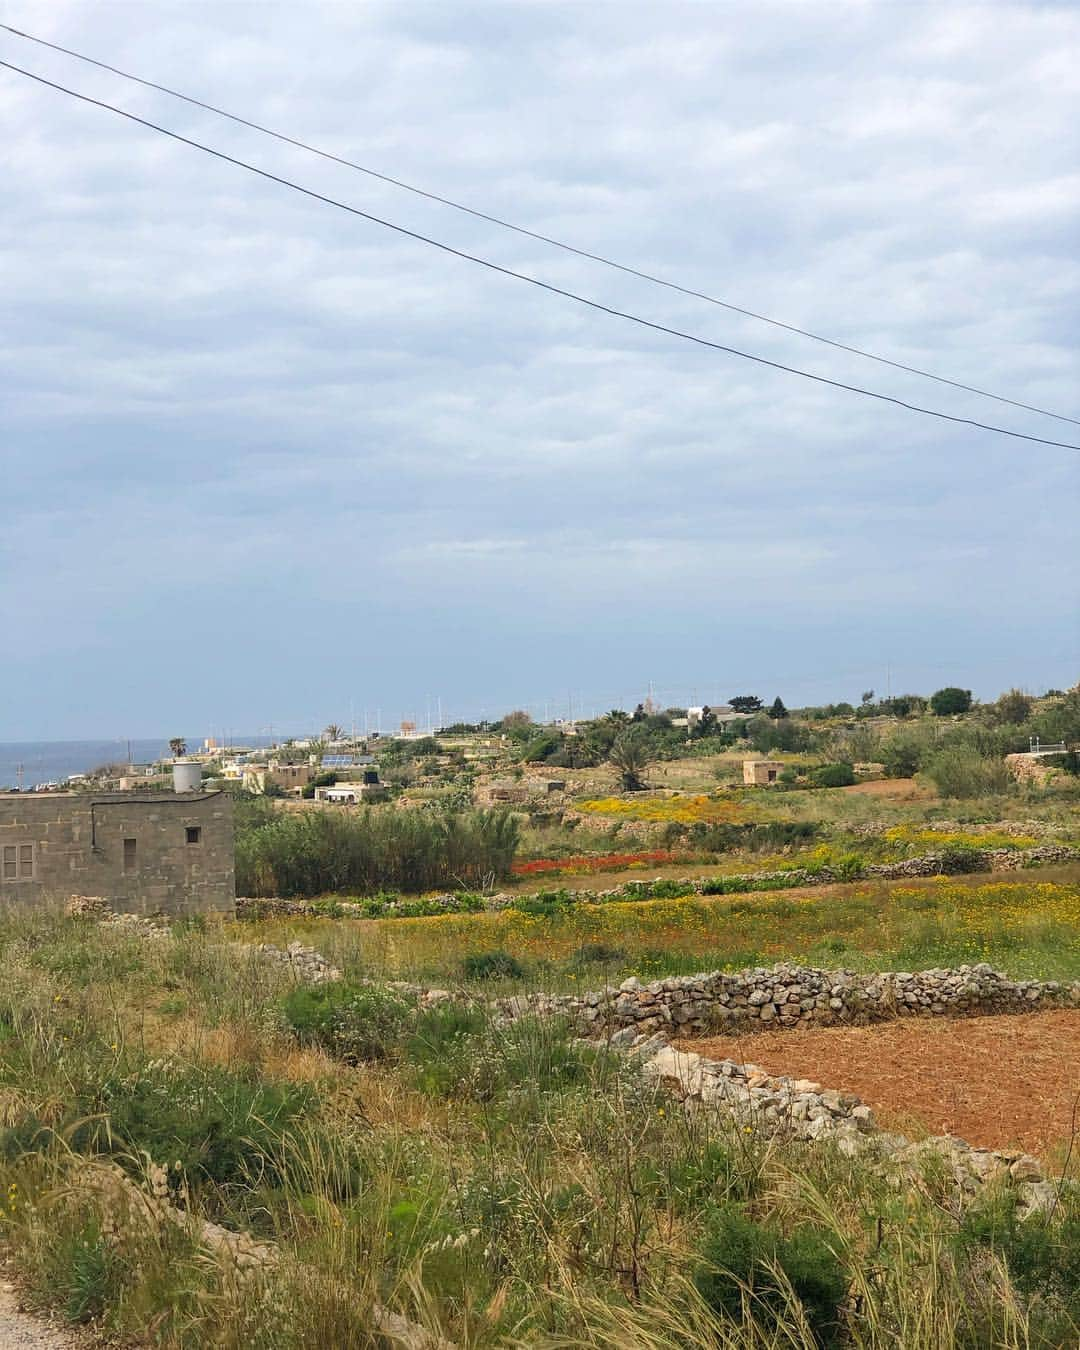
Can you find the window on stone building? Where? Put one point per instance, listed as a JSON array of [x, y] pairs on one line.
[[17, 863], [129, 855], [194, 834]]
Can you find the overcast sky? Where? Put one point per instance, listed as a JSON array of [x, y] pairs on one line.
[[266, 462]]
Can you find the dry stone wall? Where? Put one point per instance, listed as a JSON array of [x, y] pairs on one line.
[[797, 1108], [790, 996]]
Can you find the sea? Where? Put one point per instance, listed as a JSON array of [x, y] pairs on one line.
[[30, 763]]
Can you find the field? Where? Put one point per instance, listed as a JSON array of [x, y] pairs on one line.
[[930, 1077], [1028, 928], [496, 1185]]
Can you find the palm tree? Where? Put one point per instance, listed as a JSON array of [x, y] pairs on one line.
[[178, 746], [629, 754]]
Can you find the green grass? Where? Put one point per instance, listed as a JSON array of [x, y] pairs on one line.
[[1025, 926]]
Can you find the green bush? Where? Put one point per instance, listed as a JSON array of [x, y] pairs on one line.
[[833, 775], [958, 858], [964, 771], [902, 758], [218, 1126], [321, 852], [761, 837], [736, 1255], [950, 701], [351, 1022], [848, 867], [735, 885], [492, 966], [669, 889], [1043, 1256], [457, 1051]]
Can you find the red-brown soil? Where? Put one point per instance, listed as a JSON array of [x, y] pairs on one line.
[[998, 1082]]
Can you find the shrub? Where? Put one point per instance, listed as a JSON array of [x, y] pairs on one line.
[[848, 867], [737, 1254], [667, 888], [318, 852], [1042, 1257], [833, 775], [964, 771], [734, 885], [957, 858], [219, 1126], [492, 966], [351, 1022], [902, 758], [457, 1051], [950, 701]]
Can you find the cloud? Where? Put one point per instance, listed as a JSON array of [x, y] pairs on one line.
[[246, 423]]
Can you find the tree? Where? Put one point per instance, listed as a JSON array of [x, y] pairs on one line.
[[777, 711], [949, 701], [705, 724], [178, 746], [639, 713], [901, 706], [629, 754], [516, 720], [745, 703], [333, 732], [867, 697], [1014, 706], [617, 717]]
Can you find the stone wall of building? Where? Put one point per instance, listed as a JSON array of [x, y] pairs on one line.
[[167, 853]]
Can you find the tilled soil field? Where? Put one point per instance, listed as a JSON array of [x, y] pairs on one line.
[[998, 1082]]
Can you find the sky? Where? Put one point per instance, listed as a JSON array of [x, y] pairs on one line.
[[266, 463]]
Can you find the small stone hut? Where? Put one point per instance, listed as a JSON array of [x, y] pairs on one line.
[[761, 772]]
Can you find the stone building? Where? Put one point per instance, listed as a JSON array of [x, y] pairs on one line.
[[162, 852], [761, 772]]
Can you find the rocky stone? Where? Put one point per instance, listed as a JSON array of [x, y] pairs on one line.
[[1026, 1168]]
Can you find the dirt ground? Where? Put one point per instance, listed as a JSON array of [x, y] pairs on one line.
[[998, 1082], [896, 789]]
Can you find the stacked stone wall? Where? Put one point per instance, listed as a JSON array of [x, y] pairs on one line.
[[788, 996]]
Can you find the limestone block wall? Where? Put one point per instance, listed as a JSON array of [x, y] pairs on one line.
[[169, 853]]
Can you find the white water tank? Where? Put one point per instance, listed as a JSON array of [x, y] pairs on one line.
[[186, 775]]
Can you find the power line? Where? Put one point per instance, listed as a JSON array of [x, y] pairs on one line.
[[523, 276], [535, 234]]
